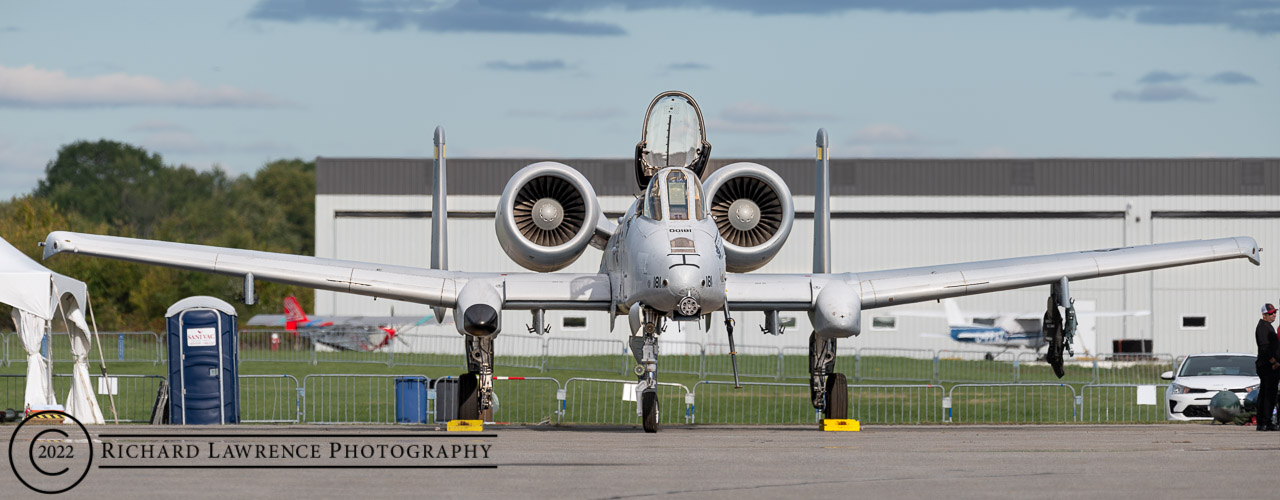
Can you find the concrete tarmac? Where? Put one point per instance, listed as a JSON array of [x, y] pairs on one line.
[[1101, 461]]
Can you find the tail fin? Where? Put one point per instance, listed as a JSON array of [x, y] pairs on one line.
[[293, 311], [954, 316], [439, 214]]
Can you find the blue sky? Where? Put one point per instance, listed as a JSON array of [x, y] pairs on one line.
[[239, 83]]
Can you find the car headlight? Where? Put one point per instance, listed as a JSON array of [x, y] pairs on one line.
[[1177, 389]]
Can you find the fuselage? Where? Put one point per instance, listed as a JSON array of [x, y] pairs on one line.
[[668, 255], [996, 336]]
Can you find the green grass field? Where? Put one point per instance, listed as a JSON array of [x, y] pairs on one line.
[[886, 390]]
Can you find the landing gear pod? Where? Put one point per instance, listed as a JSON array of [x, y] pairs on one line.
[[673, 136]]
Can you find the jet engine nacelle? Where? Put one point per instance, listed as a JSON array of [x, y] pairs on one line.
[[547, 216], [479, 309], [837, 311], [752, 208]]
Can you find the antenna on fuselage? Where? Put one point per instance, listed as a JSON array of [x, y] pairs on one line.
[[439, 215]]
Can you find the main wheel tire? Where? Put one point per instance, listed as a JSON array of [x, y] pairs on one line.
[[649, 405], [469, 397], [837, 397]]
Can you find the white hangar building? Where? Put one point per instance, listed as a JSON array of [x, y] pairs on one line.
[[886, 213]]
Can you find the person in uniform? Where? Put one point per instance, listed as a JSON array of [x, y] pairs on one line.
[[1268, 365]]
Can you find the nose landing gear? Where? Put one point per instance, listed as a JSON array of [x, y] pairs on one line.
[[644, 347], [828, 390]]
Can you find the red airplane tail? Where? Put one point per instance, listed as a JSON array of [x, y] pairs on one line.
[[293, 313]]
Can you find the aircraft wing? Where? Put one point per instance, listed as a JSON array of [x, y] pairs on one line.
[[794, 292], [267, 320], [438, 288]]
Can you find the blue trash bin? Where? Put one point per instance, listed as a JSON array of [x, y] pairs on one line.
[[411, 400]]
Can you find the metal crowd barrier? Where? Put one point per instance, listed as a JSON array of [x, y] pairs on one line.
[[135, 395], [352, 399], [896, 404], [275, 346], [1010, 403], [754, 403], [527, 400], [753, 361], [270, 399], [601, 401], [598, 355], [976, 366], [911, 365], [13, 391], [1123, 403]]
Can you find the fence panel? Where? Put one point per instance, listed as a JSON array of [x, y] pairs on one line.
[[1118, 403], [351, 399], [896, 404], [13, 391], [596, 355], [275, 346], [518, 351], [753, 361], [270, 399], [754, 403], [1012, 403], [4, 349], [426, 349], [1133, 368], [1032, 369], [875, 363], [135, 395], [680, 357], [598, 401], [526, 400], [977, 366]]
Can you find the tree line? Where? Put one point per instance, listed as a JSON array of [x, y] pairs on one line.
[[112, 188]]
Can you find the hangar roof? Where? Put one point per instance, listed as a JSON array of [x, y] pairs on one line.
[[862, 177]]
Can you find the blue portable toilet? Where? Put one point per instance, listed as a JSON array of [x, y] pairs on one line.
[[204, 384]]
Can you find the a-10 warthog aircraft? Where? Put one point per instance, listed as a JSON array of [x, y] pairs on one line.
[[681, 252]]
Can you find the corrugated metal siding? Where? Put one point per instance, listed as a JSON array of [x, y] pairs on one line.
[[864, 177]]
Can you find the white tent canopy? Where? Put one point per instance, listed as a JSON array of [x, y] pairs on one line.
[[36, 294]]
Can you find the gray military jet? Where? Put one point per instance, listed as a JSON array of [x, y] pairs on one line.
[[681, 252]]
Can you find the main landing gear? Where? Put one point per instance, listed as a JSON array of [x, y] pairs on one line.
[[644, 346], [475, 388], [828, 389]]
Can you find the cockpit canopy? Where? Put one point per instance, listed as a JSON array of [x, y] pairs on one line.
[[674, 194], [673, 136]]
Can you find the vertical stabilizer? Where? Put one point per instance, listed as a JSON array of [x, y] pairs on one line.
[[954, 316], [439, 214], [822, 208]]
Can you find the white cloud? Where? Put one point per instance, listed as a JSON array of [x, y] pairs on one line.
[[995, 152], [179, 141], [751, 111], [883, 133], [32, 87], [21, 167], [715, 125]]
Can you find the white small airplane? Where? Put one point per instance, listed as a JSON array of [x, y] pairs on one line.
[[682, 252], [1009, 330], [348, 333]]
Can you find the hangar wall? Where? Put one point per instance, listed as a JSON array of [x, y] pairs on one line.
[[907, 222]]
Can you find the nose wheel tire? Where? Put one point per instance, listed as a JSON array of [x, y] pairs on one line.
[[837, 397], [468, 397], [649, 405]]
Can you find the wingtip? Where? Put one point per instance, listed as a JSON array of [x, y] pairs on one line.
[[1251, 250]]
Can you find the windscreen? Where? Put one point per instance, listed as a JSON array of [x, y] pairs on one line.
[[1203, 366], [678, 195], [673, 133]]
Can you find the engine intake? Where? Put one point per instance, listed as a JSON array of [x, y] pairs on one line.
[[546, 216], [753, 210]]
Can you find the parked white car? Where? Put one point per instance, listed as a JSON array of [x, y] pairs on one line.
[[1201, 376]]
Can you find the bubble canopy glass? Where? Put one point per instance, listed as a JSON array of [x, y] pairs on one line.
[[673, 136]]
